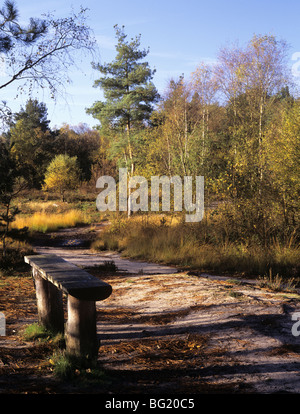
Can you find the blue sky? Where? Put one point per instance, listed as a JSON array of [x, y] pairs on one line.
[[180, 35]]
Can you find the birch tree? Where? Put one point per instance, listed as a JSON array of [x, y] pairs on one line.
[[204, 84], [266, 75], [250, 78]]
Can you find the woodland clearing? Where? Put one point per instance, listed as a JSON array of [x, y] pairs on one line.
[[161, 332]]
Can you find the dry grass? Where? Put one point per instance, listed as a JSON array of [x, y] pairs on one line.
[[277, 283], [212, 245], [44, 222]]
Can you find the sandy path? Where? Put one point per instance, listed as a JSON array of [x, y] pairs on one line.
[[247, 330], [70, 249]]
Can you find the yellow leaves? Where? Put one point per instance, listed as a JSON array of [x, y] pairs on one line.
[[62, 173], [193, 345], [283, 151], [240, 72]]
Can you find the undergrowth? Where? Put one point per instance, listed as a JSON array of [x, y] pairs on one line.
[[45, 222], [63, 365], [37, 332], [71, 367], [219, 243]]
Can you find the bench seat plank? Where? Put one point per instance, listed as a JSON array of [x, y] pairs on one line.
[[69, 277]]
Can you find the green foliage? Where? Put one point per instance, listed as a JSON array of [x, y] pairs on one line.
[[33, 145], [40, 53], [283, 159], [31, 141], [34, 115], [127, 86], [8, 176], [37, 332], [70, 367], [246, 145], [129, 95], [11, 31], [82, 142]]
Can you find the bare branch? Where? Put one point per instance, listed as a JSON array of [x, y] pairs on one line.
[[45, 60]]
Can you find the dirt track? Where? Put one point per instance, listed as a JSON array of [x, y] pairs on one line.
[[242, 334], [183, 333]]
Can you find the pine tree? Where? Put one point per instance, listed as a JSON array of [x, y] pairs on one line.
[[34, 114], [128, 91], [7, 193], [31, 142]]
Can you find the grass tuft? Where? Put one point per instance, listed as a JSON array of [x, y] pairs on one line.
[[43, 222], [37, 332], [69, 367], [278, 283]]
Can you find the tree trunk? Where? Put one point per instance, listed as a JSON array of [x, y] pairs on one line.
[[130, 149]]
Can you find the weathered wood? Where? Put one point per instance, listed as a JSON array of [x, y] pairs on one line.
[[54, 275], [81, 335], [69, 278], [49, 304]]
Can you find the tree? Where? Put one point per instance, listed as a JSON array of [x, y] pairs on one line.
[[82, 142], [41, 53], [250, 78], [178, 126], [266, 75], [62, 174], [37, 55], [282, 148], [129, 94], [204, 84], [12, 31], [8, 191], [31, 142], [35, 115]]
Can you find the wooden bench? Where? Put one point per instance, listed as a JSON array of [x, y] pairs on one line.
[[53, 276]]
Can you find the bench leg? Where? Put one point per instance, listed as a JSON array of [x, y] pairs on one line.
[[81, 333], [49, 303]]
